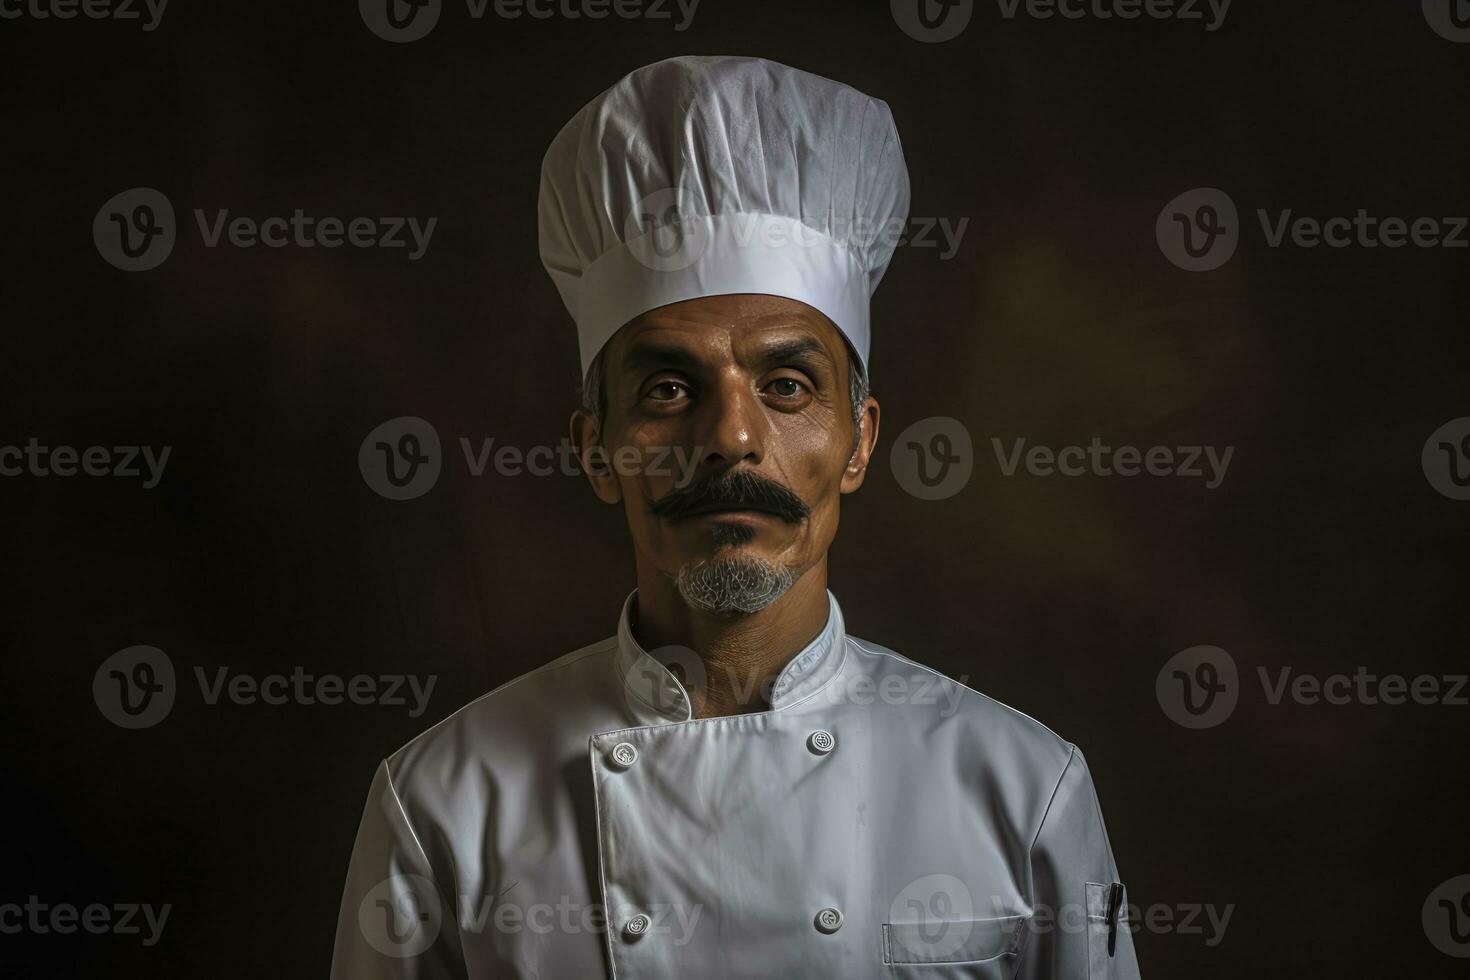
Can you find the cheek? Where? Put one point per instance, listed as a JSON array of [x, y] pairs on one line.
[[652, 462], [647, 462], [819, 454]]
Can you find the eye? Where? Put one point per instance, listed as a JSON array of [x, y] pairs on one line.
[[786, 388], [666, 391]]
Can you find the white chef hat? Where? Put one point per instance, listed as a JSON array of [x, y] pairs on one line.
[[704, 176]]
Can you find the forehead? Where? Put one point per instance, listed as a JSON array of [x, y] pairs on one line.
[[739, 327]]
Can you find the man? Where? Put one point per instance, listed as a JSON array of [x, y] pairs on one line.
[[731, 786]]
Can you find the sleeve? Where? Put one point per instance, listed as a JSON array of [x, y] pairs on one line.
[[396, 921], [1079, 927]]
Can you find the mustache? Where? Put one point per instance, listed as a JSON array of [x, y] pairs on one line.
[[732, 490]]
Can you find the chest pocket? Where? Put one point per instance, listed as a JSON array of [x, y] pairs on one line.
[[1104, 912], [955, 947]]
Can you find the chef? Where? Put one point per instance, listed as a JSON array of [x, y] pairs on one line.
[[730, 785]]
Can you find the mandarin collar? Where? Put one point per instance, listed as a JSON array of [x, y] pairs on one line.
[[657, 697]]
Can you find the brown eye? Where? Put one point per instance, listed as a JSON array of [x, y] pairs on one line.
[[666, 391], [786, 387]]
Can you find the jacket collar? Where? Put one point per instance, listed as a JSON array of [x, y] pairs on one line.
[[656, 696]]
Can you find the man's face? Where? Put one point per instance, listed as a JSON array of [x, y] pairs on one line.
[[737, 409]]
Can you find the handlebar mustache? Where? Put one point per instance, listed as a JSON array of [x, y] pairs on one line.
[[735, 490]]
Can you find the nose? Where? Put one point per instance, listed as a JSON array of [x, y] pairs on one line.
[[731, 424]]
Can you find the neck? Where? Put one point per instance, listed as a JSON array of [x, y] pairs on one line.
[[743, 653]]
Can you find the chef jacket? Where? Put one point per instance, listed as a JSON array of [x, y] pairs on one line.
[[879, 821]]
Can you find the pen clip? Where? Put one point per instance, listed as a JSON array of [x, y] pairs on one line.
[[1115, 907]]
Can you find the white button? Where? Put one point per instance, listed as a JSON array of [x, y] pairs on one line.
[[821, 741], [829, 920], [636, 926], [624, 755]]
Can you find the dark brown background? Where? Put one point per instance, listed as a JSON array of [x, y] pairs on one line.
[[1059, 320]]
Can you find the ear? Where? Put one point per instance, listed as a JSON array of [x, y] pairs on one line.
[[867, 441], [593, 458]]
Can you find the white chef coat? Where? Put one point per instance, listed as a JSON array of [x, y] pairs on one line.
[[879, 821]]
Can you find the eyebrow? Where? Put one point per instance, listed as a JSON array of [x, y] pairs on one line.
[[796, 349], [647, 353], [643, 354]]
